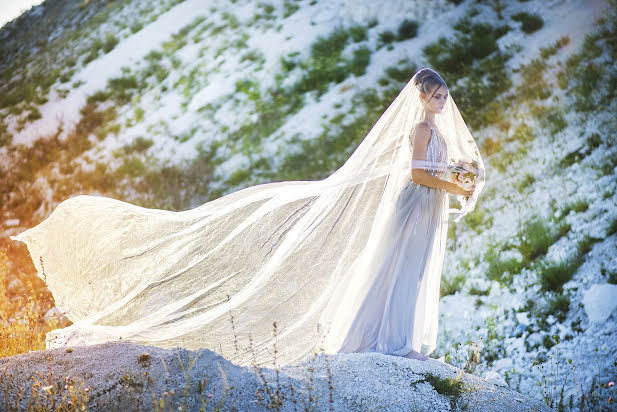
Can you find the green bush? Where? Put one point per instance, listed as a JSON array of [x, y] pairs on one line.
[[453, 58], [325, 64], [408, 29], [137, 27], [612, 228], [386, 37], [120, 88], [402, 75], [110, 42], [529, 22], [34, 114], [289, 8], [554, 120], [361, 59], [358, 33]]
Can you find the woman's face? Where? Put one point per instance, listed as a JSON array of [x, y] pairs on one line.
[[438, 100]]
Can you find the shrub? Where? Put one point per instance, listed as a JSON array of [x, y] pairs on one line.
[[386, 37], [120, 88], [408, 29], [289, 8], [361, 59], [358, 33], [137, 27], [529, 22], [325, 64], [34, 114], [401, 74], [110, 42]]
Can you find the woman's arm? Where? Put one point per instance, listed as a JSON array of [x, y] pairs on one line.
[[422, 136]]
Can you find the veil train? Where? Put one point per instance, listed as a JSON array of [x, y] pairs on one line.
[[297, 252]]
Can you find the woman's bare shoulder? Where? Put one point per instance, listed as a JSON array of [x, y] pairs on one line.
[[423, 130]]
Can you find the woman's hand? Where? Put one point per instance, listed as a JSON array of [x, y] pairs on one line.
[[457, 190]]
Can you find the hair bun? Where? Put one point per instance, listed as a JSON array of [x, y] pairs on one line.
[[426, 79], [422, 74]]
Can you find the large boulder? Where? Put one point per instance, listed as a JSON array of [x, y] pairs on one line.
[[127, 376]]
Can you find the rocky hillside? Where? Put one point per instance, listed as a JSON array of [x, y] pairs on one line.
[[170, 104]]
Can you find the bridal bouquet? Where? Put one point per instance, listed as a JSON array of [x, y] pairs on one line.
[[463, 174]]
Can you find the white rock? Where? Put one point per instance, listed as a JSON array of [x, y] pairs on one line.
[[494, 378], [600, 300], [522, 318], [502, 364]]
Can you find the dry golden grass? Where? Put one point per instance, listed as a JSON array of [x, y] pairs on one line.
[[22, 311]]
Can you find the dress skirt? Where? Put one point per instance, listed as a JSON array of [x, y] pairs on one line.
[[400, 311]]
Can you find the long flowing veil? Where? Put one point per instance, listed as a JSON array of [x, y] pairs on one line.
[[300, 253]]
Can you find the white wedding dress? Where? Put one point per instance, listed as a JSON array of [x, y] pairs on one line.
[[348, 263], [399, 311]]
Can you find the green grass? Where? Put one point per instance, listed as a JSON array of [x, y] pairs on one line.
[[449, 286], [553, 275], [578, 206], [500, 269], [559, 305], [536, 237], [452, 388]]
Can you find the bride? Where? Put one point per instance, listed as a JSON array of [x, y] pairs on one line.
[[350, 263]]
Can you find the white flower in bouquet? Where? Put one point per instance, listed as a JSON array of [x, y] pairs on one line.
[[463, 174]]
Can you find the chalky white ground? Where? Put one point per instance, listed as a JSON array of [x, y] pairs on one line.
[[361, 381]]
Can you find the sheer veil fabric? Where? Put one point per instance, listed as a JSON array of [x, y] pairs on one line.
[[302, 254]]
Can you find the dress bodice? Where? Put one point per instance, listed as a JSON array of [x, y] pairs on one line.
[[437, 151]]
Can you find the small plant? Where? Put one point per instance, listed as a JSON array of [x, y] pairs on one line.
[[473, 357], [446, 386], [529, 22], [144, 360]]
